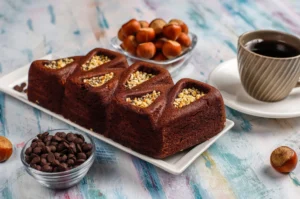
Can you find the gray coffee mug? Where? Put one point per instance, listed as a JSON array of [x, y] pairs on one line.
[[268, 78]]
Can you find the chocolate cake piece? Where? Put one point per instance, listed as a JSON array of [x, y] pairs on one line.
[[138, 104], [46, 81], [195, 112], [90, 88]]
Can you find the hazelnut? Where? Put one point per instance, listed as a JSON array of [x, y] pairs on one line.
[[171, 31], [284, 159], [159, 57], [145, 35], [131, 27], [121, 36], [159, 43], [146, 50], [5, 149], [171, 49], [184, 40], [129, 44], [184, 27], [144, 24], [157, 24]]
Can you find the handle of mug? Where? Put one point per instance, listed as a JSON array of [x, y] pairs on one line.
[[298, 84]]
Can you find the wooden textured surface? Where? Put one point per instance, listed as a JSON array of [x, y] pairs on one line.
[[236, 166]]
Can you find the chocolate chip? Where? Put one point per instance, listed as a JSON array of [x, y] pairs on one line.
[[78, 141], [28, 151], [66, 145], [60, 147], [78, 148], [44, 155], [51, 157], [36, 160], [54, 143], [47, 168], [38, 167], [87, 147], [23, 85], [70, 137], [80, 136], [70, 161], [63, 158], [73, 147], [61, 134], [48, 148], [33, 145], [27, 159], [89, 153], [43, 161], [25, 90], [53, 148], [45, 134], [37, 150], [81, 156], [71, 156], [57, 155], [79, 161], [18, 88], [56, 138]]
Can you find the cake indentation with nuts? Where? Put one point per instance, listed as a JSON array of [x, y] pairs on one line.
[[57, 64], [145, 100], [94, 62], [137, 78], [187, 96], [99, 80]]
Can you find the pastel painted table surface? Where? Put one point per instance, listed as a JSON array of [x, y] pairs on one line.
[[236, 166]]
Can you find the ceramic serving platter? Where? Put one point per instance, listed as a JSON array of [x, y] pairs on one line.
[[175, 164]]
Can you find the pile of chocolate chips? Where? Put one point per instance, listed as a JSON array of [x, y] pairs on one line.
[[21, 88], [59, 152]]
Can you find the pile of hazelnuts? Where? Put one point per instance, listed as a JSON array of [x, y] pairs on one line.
[[158, 40]]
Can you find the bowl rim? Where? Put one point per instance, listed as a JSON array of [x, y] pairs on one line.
[[194, 39], [90, 160]]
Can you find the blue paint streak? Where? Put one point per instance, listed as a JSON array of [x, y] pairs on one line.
[[138, 10], [0, 68], [102, 22], [202, 73], [2, 31], [149, 178], [29, 54], [207, 162], [6, 193], [52, 15], [2, 114], [233, 12], [195, 16], [29, 24], [104, 153], [196, 191], [76, 32], [295, 180], [230, 45], [37, 114], [235, 115]]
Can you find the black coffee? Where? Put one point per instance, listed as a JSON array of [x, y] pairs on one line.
[[272, 48]]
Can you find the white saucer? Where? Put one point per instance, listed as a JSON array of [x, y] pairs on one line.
[[226, 78]]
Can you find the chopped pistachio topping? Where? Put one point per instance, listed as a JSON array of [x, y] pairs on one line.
[[137, 78], [95, 61], [187, 96], [145, 100], [99, 80], [57, 64]]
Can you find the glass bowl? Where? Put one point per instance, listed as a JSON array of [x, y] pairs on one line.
[[64, 179], [172, 65]]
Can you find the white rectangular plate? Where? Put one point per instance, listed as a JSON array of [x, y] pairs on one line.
[[174, 164]]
